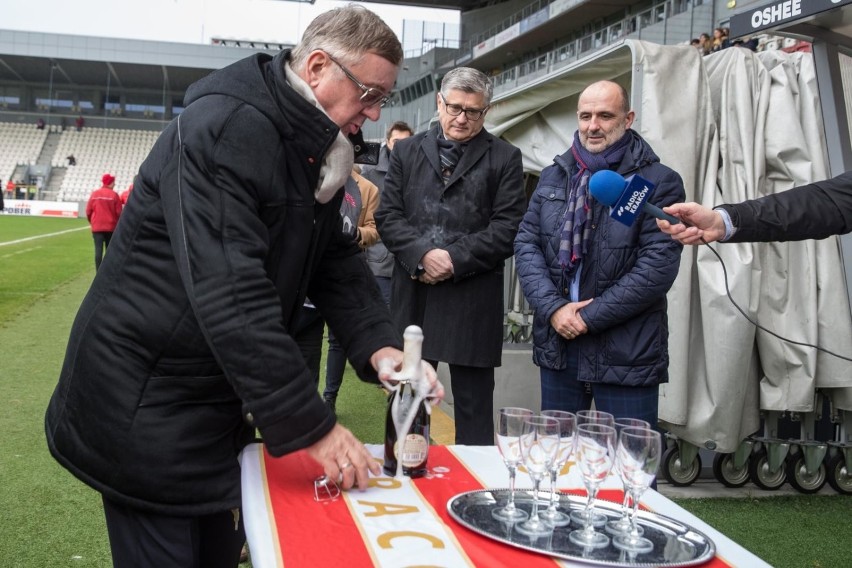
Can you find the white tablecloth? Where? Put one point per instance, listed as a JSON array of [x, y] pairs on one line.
[[280, 514]]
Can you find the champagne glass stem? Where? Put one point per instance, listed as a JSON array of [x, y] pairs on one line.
[[635, 499], [554, 473], [625, 503], [534, 514], [592, 491], [511, 504]]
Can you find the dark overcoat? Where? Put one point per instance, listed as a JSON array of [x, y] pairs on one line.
[[182, 346], [475, 218]]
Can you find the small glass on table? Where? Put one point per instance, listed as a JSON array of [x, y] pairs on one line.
[[539, 444], [622, 524], [595, 450], [567, 428], [510, 426], [638, 455]]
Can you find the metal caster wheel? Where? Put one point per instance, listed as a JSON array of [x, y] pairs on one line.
[[800, 479], [839, 476], [678, 474], [758, 471], [727, 473]]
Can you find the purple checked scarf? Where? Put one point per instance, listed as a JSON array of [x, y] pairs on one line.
[[574, 242]]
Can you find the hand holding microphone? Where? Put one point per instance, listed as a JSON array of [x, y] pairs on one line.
[[696, 225]]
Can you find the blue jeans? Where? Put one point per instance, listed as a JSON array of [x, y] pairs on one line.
[[560, 390]]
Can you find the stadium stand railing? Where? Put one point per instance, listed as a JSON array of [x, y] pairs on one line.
[[20, 143]]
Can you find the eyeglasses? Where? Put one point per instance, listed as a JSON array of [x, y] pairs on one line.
[[371, 95], [470, 113]]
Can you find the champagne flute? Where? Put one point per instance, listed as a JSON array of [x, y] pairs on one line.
[[567, 428], [639, 451], [595, 417], [539, 445], [510, 426], [622, 524], [595, 450]]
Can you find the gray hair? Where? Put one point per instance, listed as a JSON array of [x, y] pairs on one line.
[[468, 80], [348, 33]]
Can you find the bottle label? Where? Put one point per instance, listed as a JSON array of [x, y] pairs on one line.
[[414, 451]]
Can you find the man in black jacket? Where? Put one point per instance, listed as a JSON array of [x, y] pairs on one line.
[[182, 348], [813, 211]]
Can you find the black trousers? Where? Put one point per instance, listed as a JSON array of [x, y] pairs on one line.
[[473, 404], [139, 539], [101, 244]]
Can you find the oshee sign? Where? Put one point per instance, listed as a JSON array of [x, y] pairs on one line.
[[779, 12]]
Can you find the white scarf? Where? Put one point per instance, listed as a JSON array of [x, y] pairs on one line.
[[338, 161]]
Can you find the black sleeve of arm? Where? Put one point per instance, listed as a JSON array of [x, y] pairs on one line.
[[221, 245], [813, 211]]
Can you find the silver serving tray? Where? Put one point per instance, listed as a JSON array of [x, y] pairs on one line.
[[675, 543]]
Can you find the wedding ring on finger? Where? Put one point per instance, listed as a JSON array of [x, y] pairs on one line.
[[345, 465]]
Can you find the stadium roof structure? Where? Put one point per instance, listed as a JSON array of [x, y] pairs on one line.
[[81, 61]]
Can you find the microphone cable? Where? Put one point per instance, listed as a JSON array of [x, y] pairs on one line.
[[757, 325]]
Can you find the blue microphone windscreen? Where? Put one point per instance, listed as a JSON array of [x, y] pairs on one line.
[[607, 186]]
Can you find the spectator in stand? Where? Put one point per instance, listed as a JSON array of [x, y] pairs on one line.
[[750, 44], [72, 161], [379, 258], [10, 189], [720, 39], [40, 124], [126, 194], [706, 43], [103, 211], [79, 123]]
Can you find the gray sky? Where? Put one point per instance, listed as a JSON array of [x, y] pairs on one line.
[[190, 21]]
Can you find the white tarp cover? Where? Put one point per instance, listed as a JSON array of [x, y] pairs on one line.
[[735, 125]]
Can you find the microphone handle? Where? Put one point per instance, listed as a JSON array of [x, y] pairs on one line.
[[655, 211]]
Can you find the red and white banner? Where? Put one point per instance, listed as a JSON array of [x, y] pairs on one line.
[[41, 208], [403, 522]]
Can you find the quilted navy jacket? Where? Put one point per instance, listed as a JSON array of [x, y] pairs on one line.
[[628, 271]]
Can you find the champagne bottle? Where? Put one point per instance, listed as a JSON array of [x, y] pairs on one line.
[[408, 417]]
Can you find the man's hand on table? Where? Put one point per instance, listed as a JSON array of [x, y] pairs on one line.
[[343, 457]]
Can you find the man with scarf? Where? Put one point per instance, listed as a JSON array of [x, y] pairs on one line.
[[183, 350], [599, 287], [449, 212]]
